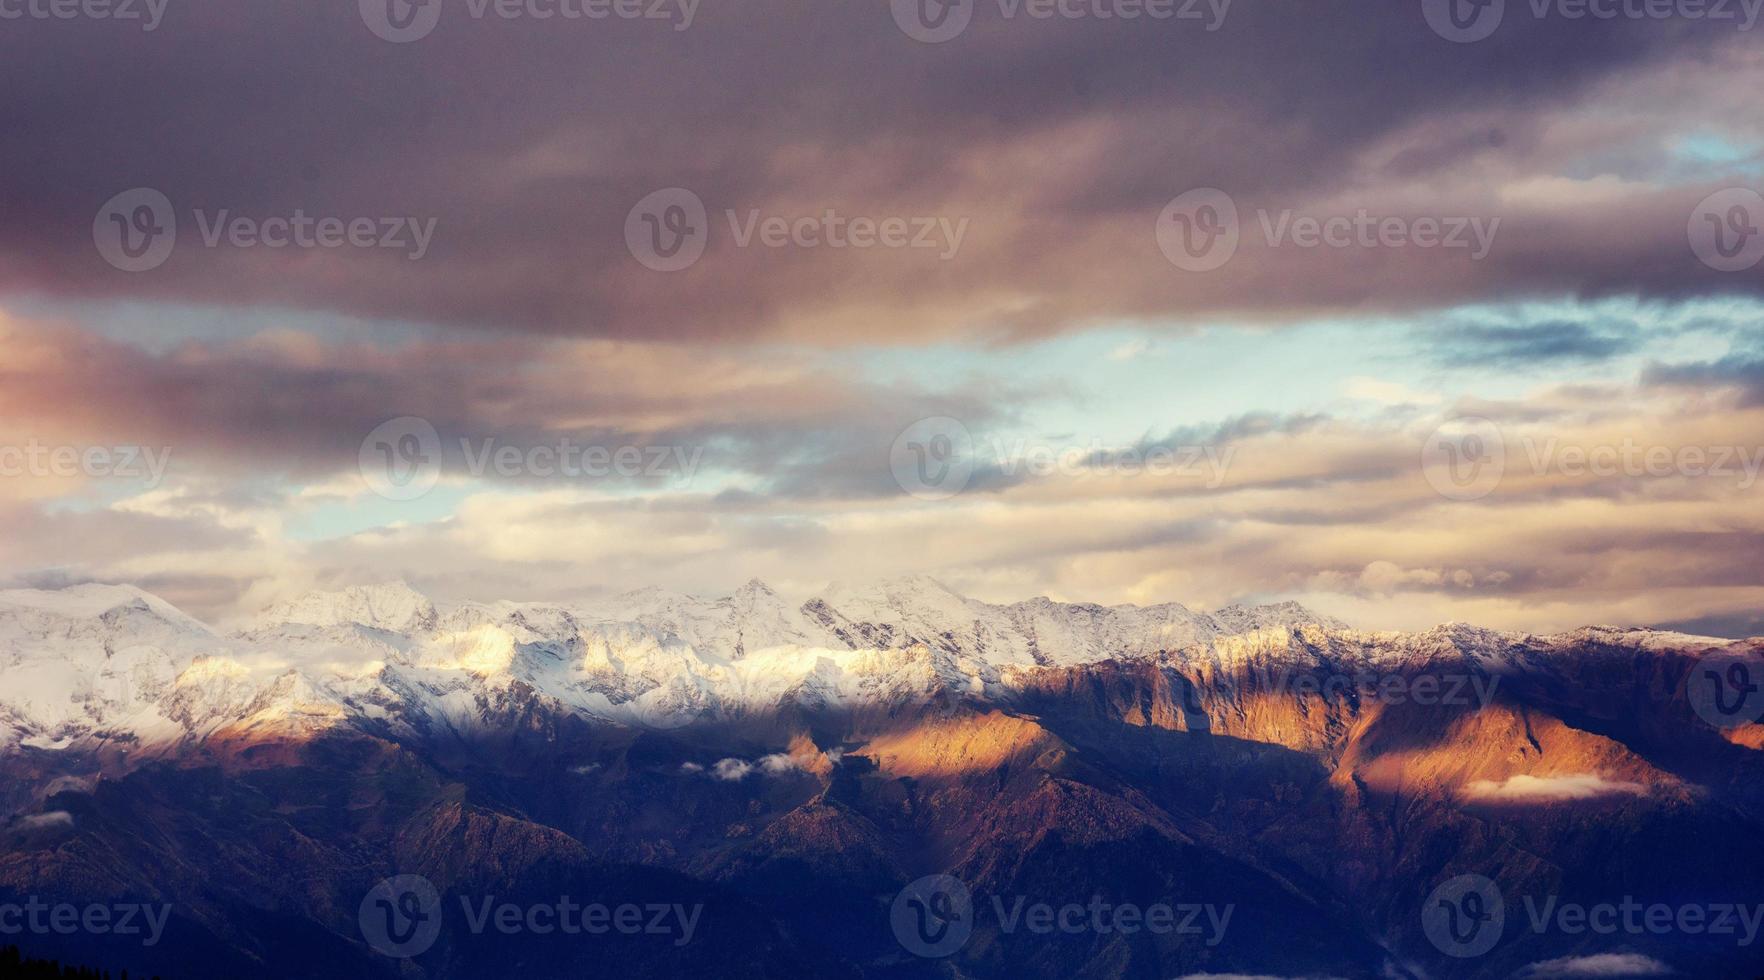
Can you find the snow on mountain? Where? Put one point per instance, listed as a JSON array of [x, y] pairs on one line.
[[393, 606], [919, 610], [103, 666], [723, 629], [1077, 633], [87, 656], [1040, 631]]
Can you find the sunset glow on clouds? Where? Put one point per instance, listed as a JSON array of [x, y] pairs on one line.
[[1290, 393]]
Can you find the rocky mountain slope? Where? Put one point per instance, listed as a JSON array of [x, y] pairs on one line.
[[1300, 788]]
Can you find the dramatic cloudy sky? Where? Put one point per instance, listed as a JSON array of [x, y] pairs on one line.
[[1554, 417]]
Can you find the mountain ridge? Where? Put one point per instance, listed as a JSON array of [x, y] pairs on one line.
[[1321, 779], [117, 668]]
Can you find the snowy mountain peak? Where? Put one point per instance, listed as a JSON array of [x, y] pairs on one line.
[[92, 662], [93, 601], [755, 587], [391, 606], [900, 587], [1288, 613]]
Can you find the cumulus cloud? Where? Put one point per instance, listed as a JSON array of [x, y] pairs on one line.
[[1328, 504], [1600, 965], [1548, 789], [1333, 510], [778, 764], [731, 770]]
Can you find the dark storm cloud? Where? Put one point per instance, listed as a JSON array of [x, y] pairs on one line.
[[1744, 371], [1735, 626], [526, 142], [1541, 344]]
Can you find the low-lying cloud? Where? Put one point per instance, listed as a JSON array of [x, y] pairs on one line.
[[1547, 789], [53, 819], [734, 770], [1599, 965]]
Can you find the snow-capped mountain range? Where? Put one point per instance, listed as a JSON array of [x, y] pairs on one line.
[[112, 668], [260, 780]]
